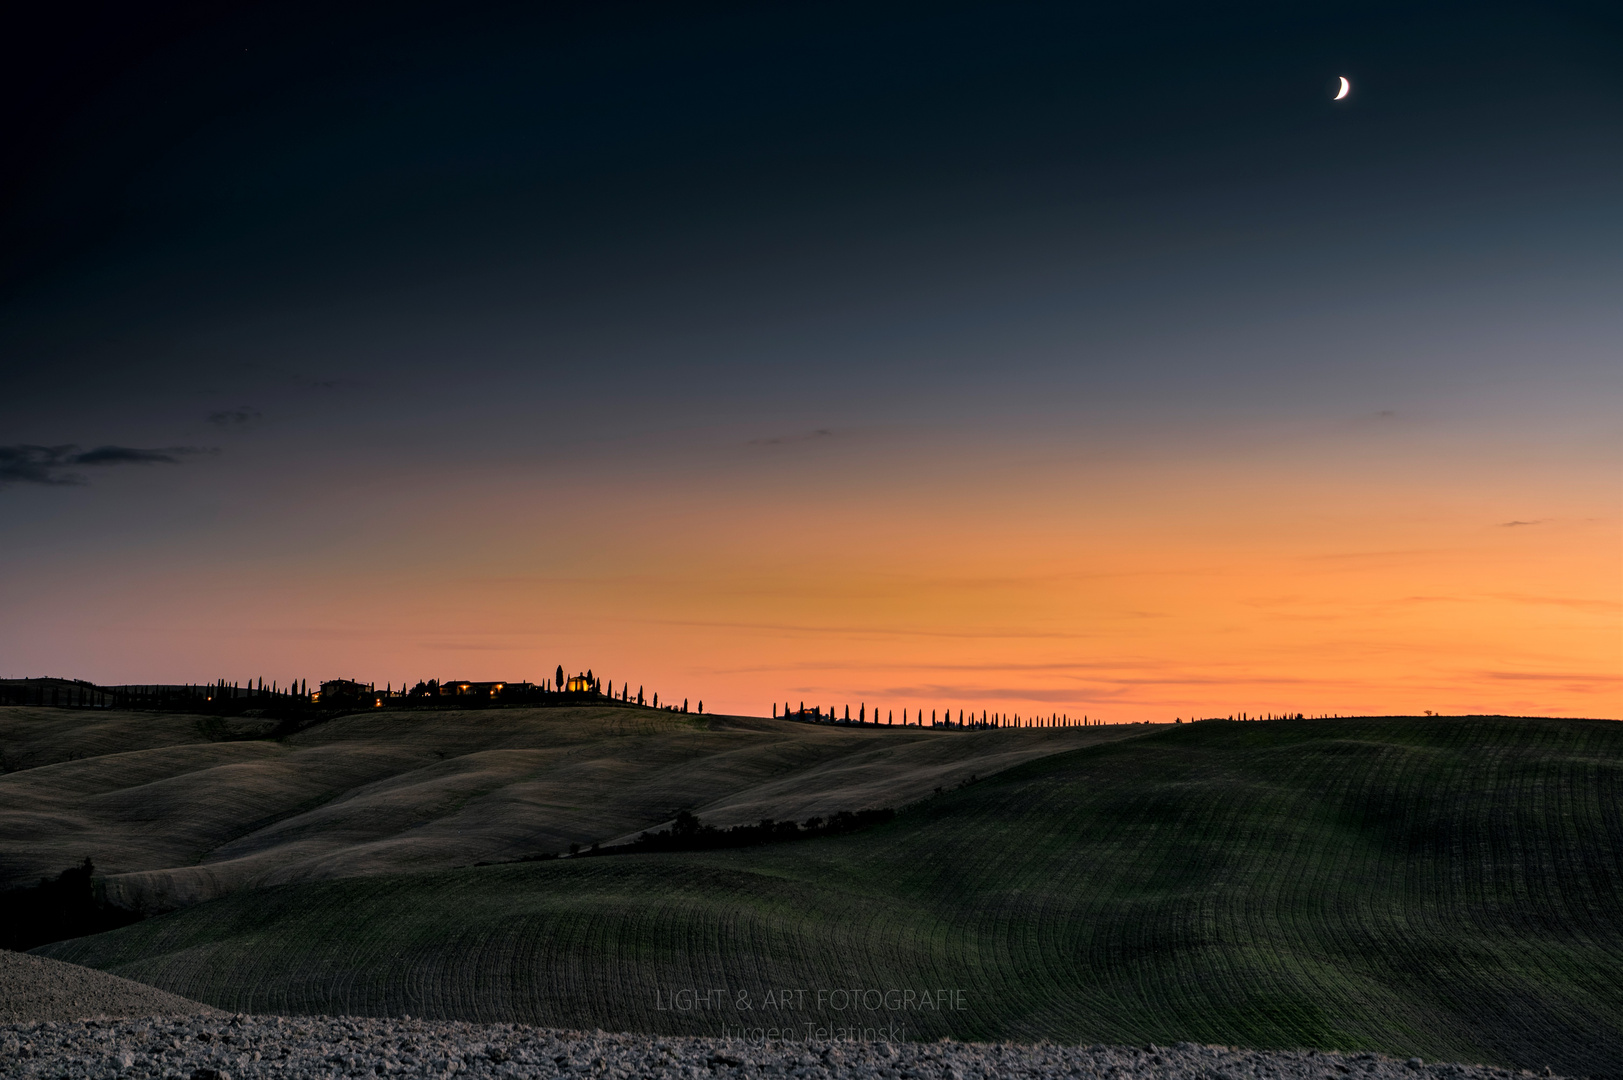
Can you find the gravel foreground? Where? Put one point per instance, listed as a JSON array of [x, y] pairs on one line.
[[226, 1048], [139, 1031]]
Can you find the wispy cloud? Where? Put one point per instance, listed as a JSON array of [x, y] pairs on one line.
[[231, 417], [24, 463], [1513, 524]]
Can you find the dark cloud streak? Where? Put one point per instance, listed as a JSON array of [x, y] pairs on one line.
[[25, 463]]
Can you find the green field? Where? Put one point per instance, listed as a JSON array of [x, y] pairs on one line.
[[1449, 888], [175, 810]]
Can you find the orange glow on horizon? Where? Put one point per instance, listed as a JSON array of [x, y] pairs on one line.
[[1147, 592]]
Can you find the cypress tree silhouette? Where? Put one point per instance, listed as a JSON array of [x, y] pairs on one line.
[[559, 683]]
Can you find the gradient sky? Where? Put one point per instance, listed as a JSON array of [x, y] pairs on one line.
[[1023, 357]]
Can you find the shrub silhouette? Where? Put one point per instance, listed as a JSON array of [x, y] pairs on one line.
[[688, 833]]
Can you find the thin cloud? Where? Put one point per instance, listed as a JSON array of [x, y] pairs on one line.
[[52, 466], [476, 646], [1513, 524], [872, 631], [1098, 687], [781, 440], [1381, 419], [1577, 603], [230, 417], [1576, 677]]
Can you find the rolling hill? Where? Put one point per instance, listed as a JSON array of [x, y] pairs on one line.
[[177, 810], [1448, 888]]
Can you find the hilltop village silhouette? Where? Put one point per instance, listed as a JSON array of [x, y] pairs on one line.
[[270, 699]]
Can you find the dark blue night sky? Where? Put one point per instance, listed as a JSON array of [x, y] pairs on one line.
[[606, 310]]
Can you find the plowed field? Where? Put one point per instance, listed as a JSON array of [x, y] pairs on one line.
[[175, 812], [1448, 888]]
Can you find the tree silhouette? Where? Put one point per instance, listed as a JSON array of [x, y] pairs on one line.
[[56, 909]]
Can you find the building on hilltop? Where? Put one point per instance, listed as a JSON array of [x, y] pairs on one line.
[[465, 688], [73, 693], [342, 690]]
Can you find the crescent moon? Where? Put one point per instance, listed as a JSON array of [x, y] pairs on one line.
[[1346, 88]]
